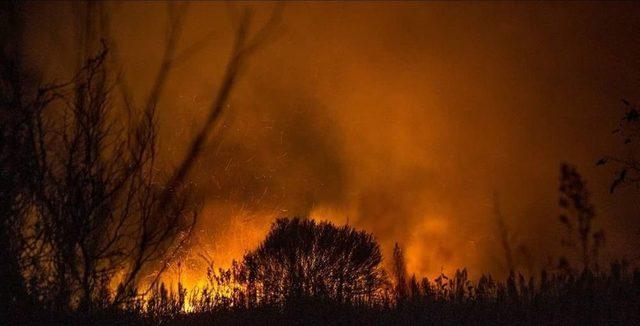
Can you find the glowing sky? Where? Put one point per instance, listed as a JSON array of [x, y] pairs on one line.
[[399, 118]]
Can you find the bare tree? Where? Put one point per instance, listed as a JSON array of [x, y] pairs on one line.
[[95, 208]]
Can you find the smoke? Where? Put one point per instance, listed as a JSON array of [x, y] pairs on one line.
[[398, 118]]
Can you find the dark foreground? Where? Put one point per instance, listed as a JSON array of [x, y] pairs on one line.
[[611, 298]]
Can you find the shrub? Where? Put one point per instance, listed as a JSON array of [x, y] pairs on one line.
[[302, 259]]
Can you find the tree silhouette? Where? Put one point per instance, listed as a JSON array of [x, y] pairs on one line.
[[302, 259], [400, 274], [578, 216], [83, 201]]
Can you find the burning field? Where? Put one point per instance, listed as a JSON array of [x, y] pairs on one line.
[[166, 161]]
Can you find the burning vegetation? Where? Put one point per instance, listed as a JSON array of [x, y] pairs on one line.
[[99, 225]]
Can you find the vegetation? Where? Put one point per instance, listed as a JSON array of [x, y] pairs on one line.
[[83, 203], [578, 216], [85, 215], [302, 259], [286, 292]]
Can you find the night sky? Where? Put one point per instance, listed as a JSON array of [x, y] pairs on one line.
[[402, 119]]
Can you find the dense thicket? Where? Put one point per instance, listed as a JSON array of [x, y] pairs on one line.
[[301, 259]]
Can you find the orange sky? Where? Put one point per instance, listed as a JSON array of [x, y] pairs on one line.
[[399, 118]]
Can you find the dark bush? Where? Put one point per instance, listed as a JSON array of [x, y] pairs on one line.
[[302, 259]]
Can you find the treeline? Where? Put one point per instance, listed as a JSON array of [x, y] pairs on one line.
[[308, 272], [299, 279]]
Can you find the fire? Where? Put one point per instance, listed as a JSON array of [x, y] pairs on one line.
[[424, 259], [239, 233], [225, 234]]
